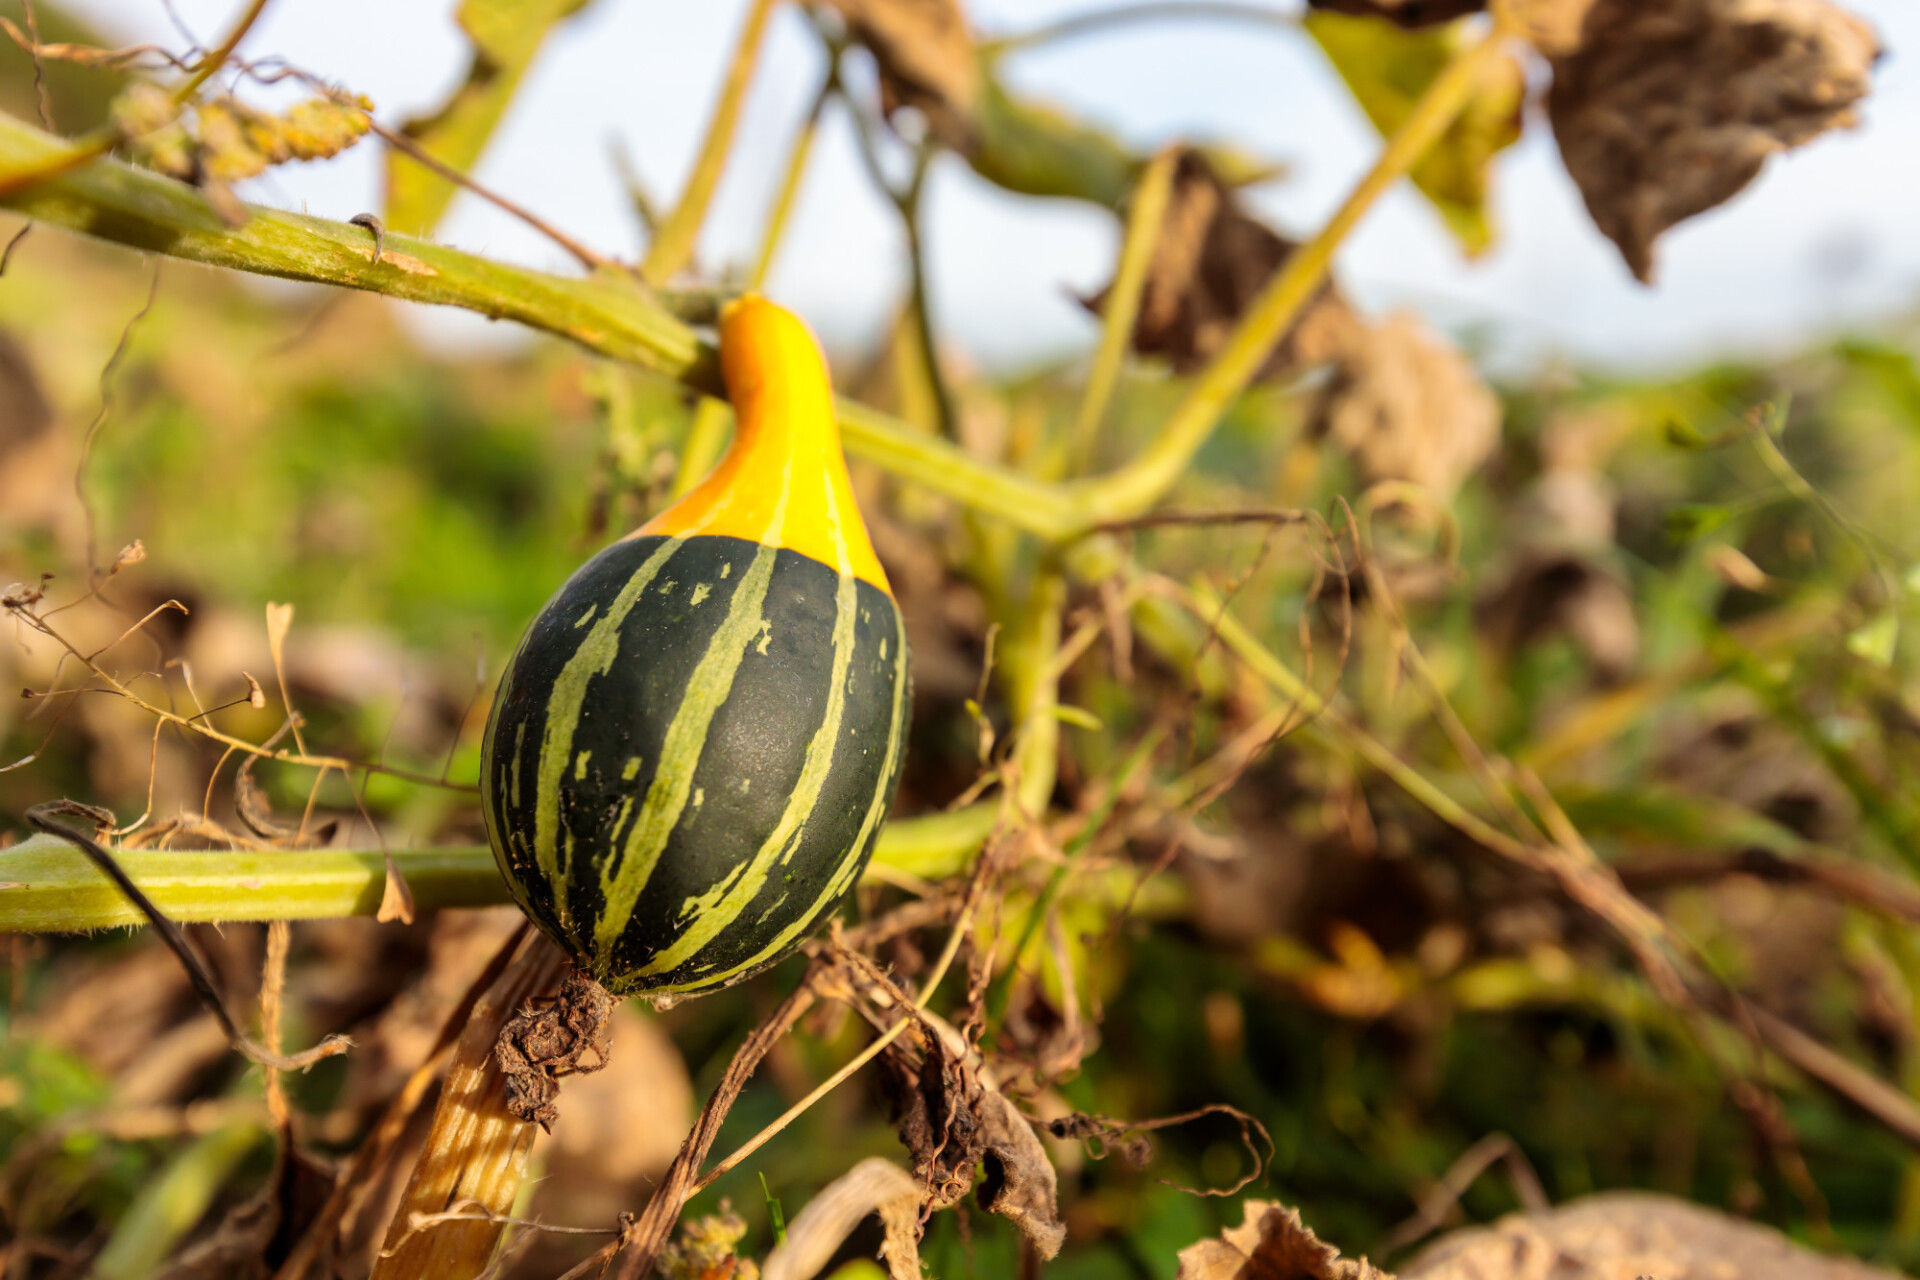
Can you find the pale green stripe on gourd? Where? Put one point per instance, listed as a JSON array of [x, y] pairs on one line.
[[594, 657], [685, 743], [714, 911], [876, 812]]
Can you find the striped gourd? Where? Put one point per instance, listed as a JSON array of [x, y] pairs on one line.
[[690, 756]]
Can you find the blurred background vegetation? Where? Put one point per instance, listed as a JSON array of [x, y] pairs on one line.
[[1679, 601]]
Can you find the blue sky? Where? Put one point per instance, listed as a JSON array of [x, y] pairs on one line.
[[1829, 237]]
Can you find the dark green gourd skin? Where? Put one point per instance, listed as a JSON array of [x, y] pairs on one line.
[[666, 851]]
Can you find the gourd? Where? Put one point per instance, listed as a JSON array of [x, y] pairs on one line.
[[691, 753]]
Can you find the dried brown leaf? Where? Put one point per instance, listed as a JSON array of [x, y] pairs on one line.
[[1666, 110], [1408, 406], [250, 803], [1622, 1235], [550, 1039], [952, 1122], [1551, 26], [131, 554], [1020, 1184], [1209, 264], [396, 897], [926, 58], [1404, 13], [1271, 1243]]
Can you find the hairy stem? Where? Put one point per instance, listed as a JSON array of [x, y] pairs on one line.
[[607, 312], [48, 886]]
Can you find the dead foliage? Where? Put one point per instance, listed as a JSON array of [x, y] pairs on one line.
[[926, 58], [1665, 111], [1271, 1243], [550, 1039], [1408, 406], [1210, 261], [1622, 1235], [1403, 13]]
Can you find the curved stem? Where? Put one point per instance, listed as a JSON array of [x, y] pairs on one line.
[[606, 312], [673, 247], [1137, 486], [1144, 218], [783, 201], [218, 57]]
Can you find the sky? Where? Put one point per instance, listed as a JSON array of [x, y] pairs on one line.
[[1827, 239]]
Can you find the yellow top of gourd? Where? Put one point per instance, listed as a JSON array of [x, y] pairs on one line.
[[784, 482]]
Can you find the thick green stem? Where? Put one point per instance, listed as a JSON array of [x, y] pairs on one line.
[[48, 886], [605, 312]]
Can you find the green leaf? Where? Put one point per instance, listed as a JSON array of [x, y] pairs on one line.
[[1389, 68], [1875, 640], [505, 34], [1690, 520], [1079, 717], [1682, 434]]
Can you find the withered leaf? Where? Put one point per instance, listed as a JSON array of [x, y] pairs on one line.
[[1271, 1243], [252, 806], [1209, 264], [1667, 110], [952, 1122], [1562, 576], [396, 895], [1020, 1184], [926, 57], [1551, 26], [1627, 1234], [131, 554], [1408, 406], [1405, 13]]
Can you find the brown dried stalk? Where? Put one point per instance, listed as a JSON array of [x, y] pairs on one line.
[[364, 1171], [476, 1153]]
